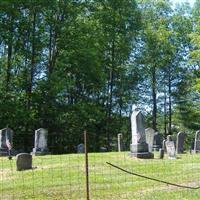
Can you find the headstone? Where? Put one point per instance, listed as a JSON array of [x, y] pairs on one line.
[[161, 153], [180, 142], [191, 146], [169, 138], [80, 148], [119, 142], [150, 133], [103, 149], [40, 146], [23, 161], [171, 151], [164, 146], [197, 142], [157, 142], [139, 147], [6, 141]]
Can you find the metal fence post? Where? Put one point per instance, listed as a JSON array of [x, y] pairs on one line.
[[86, 167]]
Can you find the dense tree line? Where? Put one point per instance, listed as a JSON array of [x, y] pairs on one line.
[[67, 65]]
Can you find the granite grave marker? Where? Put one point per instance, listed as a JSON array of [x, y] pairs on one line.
[[150, 133], [170, 146], [23, 161], [80, 148], [157, 142], [197, 142], [139, 147], [6, 141], [180, 142], [40, 145], [119, 142]]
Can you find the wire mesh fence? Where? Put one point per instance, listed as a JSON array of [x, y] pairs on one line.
[[64, 177]]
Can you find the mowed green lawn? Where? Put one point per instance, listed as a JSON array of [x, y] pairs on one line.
[[62, 177]]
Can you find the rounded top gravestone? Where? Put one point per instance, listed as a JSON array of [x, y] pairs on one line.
[[180, 142], [170, 146], [150, 133], [24, 161], [80, 148], [197, 142]]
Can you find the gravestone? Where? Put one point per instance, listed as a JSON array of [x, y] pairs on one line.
[[180, 142], [192, 146], [6, 141], [103, 149], [40, 146], [197, 142], [161, 153], [139, 147], [164, 146], [170, 146], [157, 142], [80, 148], [23, 161], [150, 133], [119, 142]]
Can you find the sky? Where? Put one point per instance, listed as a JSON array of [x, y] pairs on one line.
[[180, 1]]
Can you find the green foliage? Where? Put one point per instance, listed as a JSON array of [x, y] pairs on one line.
[[70, 65]]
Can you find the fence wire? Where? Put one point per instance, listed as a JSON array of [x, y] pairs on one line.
[[63, 177]]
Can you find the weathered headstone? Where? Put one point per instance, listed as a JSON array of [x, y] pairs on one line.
[[197, 142], [171, 151], [157, 142], [192, 146], [6, 141], [150, 133], [103, 149], [161, 153], [180, 142], [80, 148], [40, 146], [23, 161], [119, 142], [139, 147], [164, 146]]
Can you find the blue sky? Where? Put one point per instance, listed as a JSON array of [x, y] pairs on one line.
[[179, 1]]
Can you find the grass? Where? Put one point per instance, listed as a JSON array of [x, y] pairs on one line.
[[60, 177]]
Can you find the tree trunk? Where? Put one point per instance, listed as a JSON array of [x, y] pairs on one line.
[[111, 78], [9, 58], [154, 96], [165, 115], [32, 69], [170, 103]]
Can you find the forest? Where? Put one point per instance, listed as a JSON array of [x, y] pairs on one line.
[[70, 65]]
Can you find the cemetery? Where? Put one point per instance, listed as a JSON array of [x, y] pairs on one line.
[[100, 100], [46, 176]]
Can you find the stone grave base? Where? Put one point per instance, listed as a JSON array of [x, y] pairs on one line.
[[40, 153], [172, 158], [3, 153], [139, 148], [195, 151], [144, 155], [156, 147]]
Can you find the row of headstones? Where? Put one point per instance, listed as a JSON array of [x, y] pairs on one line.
[[23, 160], [40, 144], [143, 140], [151, 140]]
